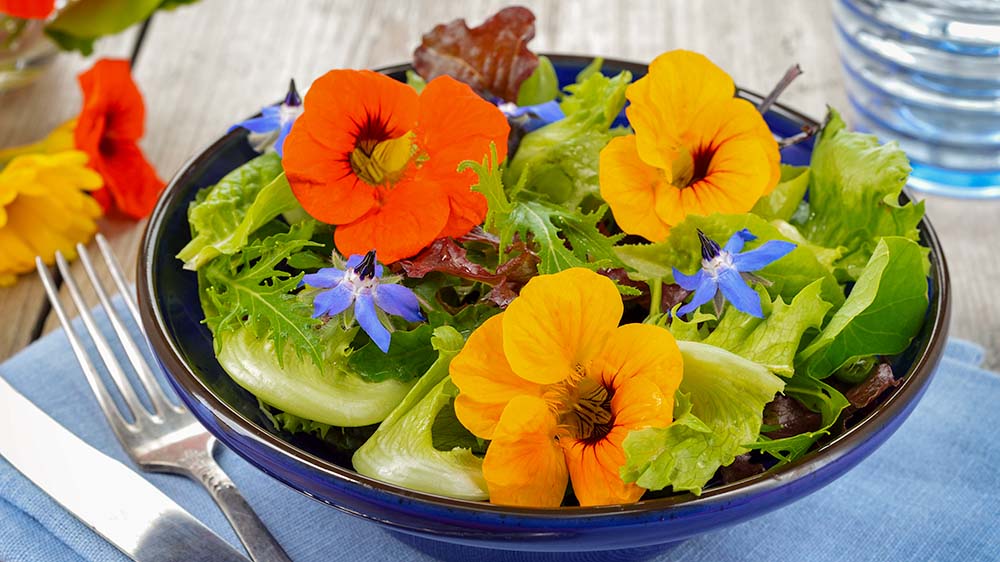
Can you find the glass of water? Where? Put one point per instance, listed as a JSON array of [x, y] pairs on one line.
[[927, 74]]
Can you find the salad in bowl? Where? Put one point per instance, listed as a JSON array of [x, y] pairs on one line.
[[479, 285]]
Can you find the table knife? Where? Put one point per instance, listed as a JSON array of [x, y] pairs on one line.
[[103, 493]]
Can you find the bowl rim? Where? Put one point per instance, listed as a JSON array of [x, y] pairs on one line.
[[914, 380]]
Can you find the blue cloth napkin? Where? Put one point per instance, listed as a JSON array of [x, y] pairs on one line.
[[932, 492]]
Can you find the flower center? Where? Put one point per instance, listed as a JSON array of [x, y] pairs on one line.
[[583, 407], [381, 162], [689, 167]]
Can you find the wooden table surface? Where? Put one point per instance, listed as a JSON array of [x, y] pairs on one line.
[[206, 66]]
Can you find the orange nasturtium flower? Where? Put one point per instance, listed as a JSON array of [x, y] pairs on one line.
[[108, 129], [27, 9], [696, 149], [557, 385], [373, 157]]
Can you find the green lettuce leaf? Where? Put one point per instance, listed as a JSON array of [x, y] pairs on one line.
[[558, 162], [789, 275], [402, 450], [818, 397], [883, 313], [718, 413], [541, 86], [854, 187], [224, 216], [772, 341], [329, 394], [787, 195]]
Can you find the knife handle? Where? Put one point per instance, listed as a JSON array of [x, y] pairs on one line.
[[258, 541]]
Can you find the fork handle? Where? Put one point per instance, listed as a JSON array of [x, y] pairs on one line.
[[258, 541]]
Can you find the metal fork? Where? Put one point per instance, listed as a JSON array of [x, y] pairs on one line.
[[167, 438]]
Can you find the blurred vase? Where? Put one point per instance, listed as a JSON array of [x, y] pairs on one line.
[[25, 51], [927, 74]]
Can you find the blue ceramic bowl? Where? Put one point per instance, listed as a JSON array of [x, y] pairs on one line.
[[172, 317]]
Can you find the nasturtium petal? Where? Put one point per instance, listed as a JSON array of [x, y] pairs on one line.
[[593, 469], [526, 437], [641, 351], [485, 379], [630, 187], [558, 323]]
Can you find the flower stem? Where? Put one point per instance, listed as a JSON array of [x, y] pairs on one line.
[[655, 296], [791, 74]]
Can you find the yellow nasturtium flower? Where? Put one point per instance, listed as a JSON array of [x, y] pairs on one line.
[[44, 208], [697, 149], [557, 385]]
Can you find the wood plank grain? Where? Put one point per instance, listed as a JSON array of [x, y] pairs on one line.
[[27, 115]]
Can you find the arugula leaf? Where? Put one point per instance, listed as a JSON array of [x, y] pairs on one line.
[[550, 226], [681, 249], [718, 412], [818, 397], [409, 356], [402, 450], [784, 200], [541, 86], [882, 314], [558, 162], [248, 290], [223, 216], [772, 341], [854, 188]]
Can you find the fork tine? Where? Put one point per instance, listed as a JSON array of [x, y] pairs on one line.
[[110, 361], [119, 277], [118, 423], [142, 369]]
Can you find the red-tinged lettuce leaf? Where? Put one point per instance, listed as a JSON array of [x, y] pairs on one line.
[[880, 380], [492, 58], [743, 467], [787, 417], [446, 256]]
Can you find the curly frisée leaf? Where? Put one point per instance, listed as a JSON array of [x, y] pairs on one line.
[[402, 450], [547, 226], [249, 290], [718, 412]]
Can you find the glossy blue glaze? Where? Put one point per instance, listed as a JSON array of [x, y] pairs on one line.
[[172, 318]]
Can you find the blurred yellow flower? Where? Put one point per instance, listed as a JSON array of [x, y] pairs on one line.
[[60, 139], [44, 208]]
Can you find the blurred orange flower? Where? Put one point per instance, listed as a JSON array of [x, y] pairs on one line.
[[696, 149], [557, 385], [27, 9], [108, 129], [375, 158]]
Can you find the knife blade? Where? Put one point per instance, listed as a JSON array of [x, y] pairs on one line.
[[103, 493]]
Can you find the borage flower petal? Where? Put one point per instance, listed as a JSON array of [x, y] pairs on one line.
[[371, 156]]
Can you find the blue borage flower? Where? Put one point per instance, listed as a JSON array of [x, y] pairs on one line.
[[275, 121], [532, 117], [727, 273], [360, 284]]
